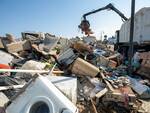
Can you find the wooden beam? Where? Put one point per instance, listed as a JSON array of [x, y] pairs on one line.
[[108, 84], [93, 105]]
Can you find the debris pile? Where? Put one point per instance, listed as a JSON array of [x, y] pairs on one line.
[[93, 77]]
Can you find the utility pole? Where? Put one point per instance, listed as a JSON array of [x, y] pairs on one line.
[[101, 38], [131, 45]]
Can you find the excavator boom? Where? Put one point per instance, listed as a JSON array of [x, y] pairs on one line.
[[109, 6]]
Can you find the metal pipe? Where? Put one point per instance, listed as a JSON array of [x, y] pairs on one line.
[[131, 46], [30, 71]]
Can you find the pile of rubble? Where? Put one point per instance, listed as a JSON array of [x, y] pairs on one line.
[[77, 75]]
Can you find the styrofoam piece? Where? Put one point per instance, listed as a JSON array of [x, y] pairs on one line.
[[5, 58], [32, 65], [39, 95], [3, 99]]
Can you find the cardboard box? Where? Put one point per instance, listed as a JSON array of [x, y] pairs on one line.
[[121, 95], [18, 46], [106, 62], [144, 55], [145, 68], [146, 63]]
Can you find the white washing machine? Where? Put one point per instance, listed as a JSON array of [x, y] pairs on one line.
[[41, 96]]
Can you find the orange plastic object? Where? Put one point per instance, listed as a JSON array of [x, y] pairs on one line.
[[4, 66]]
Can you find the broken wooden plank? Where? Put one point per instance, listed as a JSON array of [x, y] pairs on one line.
[[108, 84], [101, 93], [93, 105], [57, 72]]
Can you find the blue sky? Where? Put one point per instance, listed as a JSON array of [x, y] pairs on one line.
[[61, 17]]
